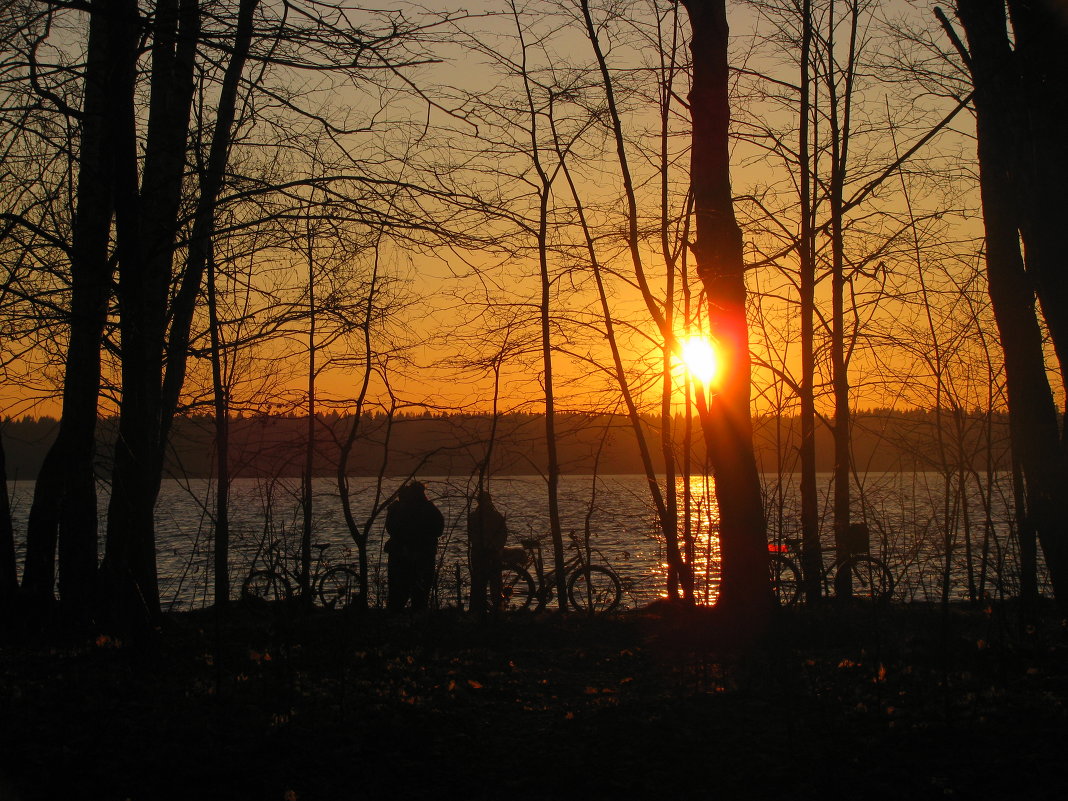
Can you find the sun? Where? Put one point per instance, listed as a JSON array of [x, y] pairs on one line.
[[699, 356]]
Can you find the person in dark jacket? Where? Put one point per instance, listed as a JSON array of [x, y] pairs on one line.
[[486, 536], [414, 524]]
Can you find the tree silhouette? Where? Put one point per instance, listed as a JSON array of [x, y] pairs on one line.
[[726, 417]]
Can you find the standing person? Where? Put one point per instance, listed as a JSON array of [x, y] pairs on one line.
[[414, 524], [486, 535]]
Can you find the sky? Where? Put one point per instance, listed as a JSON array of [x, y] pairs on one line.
[[450, 305]]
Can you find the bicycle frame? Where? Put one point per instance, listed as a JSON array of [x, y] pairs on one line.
[[546, 580], [334, 584], [874, 577], [588, 587]]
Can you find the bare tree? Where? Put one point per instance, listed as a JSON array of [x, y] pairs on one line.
[[726, 418]]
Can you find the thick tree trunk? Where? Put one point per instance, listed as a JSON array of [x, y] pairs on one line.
[[64, 506], [727, 419], [146, 223], [1034, 417], [1040, 56]]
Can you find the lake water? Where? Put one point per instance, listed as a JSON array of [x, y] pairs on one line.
[[908, 515]]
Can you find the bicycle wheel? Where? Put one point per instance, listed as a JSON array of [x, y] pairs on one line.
[[266, 585], [785, 580], [872, 580], [517, 589], [339, 587], [594, 589]]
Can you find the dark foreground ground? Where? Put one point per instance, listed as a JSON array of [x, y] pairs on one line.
[[864, 703]]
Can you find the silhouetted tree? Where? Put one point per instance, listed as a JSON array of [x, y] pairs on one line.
[[65, 504], [811, 556], [1012, 148], [717, 249]]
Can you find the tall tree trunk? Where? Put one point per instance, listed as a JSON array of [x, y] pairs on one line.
[[222, 449], [553, 467], [727, 418], [811, 557], [1033, 414], [148, 218], [64, 503], [840, 135], [146, 228], [1040, 56], [680, 573], [305, 577]]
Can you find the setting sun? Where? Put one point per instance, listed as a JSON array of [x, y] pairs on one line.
[[699, 356]]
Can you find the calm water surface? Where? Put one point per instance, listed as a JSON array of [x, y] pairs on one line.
[[908, 514]]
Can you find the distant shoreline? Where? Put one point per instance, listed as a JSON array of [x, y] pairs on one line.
[[883, 441]]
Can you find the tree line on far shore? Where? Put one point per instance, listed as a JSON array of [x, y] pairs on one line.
[[265, 446]]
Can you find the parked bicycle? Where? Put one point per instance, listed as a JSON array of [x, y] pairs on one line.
[[596, 589], [336, 586], [871, 579]]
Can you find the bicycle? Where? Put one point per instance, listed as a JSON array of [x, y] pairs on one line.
[[336, 587], [596, 589], [869, 576]]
